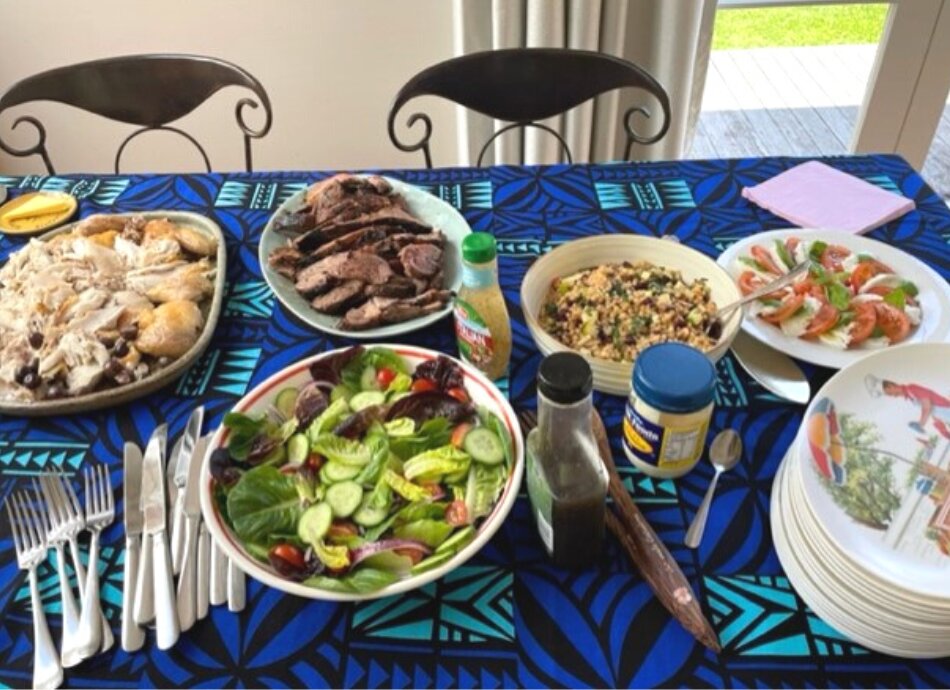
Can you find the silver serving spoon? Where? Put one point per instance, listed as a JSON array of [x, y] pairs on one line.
[[771, 286], [724, 453]]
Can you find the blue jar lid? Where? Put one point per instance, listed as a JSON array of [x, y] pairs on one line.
[[674, 377]]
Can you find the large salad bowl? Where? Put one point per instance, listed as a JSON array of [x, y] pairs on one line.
[[260, 401]]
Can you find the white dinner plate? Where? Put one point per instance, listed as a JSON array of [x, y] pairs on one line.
[[424, 206], [934, 296]]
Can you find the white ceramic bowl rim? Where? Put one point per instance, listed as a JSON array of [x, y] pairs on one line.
[[490, 524]]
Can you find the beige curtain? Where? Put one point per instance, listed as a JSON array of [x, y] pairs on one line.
[[669, 38]]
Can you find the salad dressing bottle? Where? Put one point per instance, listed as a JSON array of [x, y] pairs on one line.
[[566, 479], [481, 317]]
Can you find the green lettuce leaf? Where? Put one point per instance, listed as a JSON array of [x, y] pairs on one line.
[[429, 532], [361, 581], [400, 428], [377, 357], [432, 434], [244, 429], [378, 443], [264, 502], [342, 450], [405, 488], [328, 419], [433, 464], [485, 483]]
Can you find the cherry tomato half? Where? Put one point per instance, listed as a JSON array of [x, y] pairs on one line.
[[457, 514], [823, 321], [458, 435], [864, 271], [342, 528], [414, 555], [384, 377], [764, 258], [865, 319], [789, 306], [892, 321], [287, 559], [424, 386], [833, 255]]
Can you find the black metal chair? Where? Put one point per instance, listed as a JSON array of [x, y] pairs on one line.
[[149, 91], [522, 85]]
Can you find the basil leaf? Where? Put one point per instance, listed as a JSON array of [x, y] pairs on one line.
[[817, 249], [752, 263], [838, 296], [896, 298], [909, 288], [783, 254]]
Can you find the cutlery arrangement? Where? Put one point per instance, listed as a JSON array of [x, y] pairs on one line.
[[164, 535]]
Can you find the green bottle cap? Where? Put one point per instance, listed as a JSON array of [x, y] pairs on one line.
[[478, 247]]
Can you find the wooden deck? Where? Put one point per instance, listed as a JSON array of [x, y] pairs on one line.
[[796, 102]]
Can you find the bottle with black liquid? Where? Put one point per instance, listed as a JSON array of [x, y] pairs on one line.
[[567, 481]]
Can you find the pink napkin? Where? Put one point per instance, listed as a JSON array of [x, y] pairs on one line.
[[815, 195]]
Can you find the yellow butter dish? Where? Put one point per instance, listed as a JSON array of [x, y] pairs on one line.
[[36, 212]]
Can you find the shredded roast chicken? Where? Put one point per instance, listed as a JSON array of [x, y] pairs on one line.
[[108, 303]]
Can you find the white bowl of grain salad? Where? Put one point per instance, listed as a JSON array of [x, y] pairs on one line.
[[610, 296]]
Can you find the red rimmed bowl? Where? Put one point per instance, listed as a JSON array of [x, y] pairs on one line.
[[482, 392]]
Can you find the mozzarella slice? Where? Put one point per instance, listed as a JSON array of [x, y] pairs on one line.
[[913, 314], [797, 324], [838, 338], [888, 280]]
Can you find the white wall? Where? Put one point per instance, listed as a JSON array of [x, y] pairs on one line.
[[331, 68]]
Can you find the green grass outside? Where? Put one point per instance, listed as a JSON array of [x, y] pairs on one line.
[[799, 26]]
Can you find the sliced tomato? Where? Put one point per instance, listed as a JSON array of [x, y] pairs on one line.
[[289, 554], [791, 244], [833, 255], [457, 514], [804, 286], [823, 320], [764, 258], [342, 528], [864, 271], [749, 282], [789, 306], [384, 377], [892, 321], [459, 394], [865, 319], [424, 386], [458, 435]]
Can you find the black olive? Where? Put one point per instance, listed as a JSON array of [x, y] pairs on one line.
[[55, 390], [21, 373], [31, 380], [121, 348], [36, 340], [129, 332]]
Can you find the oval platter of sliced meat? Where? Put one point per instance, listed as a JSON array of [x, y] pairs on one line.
[[364, 256]]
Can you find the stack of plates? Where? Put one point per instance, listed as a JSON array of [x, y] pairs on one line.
[[571, 257], [861, 504]]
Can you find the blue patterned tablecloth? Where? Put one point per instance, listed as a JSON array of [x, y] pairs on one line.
[[507, 617]]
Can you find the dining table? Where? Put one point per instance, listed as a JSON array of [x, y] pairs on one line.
[[507, 617]]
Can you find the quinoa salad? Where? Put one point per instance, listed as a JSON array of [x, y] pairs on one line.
[[613, 311]]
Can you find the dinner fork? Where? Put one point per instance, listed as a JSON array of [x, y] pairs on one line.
[[56, 523], [30, 542], [100, 511], [76, 523]]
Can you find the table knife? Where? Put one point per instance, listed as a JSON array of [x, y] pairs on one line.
[[219, 576], [204, 570], [186, 456], [775, 371], [156, 526], [236, 588], [172, 488], [133, 636], [190, 576], [143, 609]]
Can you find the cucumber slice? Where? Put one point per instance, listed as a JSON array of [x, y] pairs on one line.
[[298, 448], [341, 392], [285, 402], [433, 561], [314, 523], [455, 543], [364, 399], [368, 516], [368, 379], [334, 472], [344, 497], [484, 446]]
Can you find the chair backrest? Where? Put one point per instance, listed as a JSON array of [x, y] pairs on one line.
[[149, 91], [522, 85]]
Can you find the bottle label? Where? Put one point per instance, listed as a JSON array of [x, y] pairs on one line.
[[540, 495], [669, 447], [474, 339]]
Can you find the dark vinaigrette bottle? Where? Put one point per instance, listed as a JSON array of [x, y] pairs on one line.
[[567, 481]]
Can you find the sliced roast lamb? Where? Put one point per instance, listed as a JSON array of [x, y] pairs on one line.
[[396, 286], [379, 311], [421, 260], [339, 299], [286, 260]]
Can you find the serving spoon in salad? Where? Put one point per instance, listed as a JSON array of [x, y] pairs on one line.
[[782, 281]]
